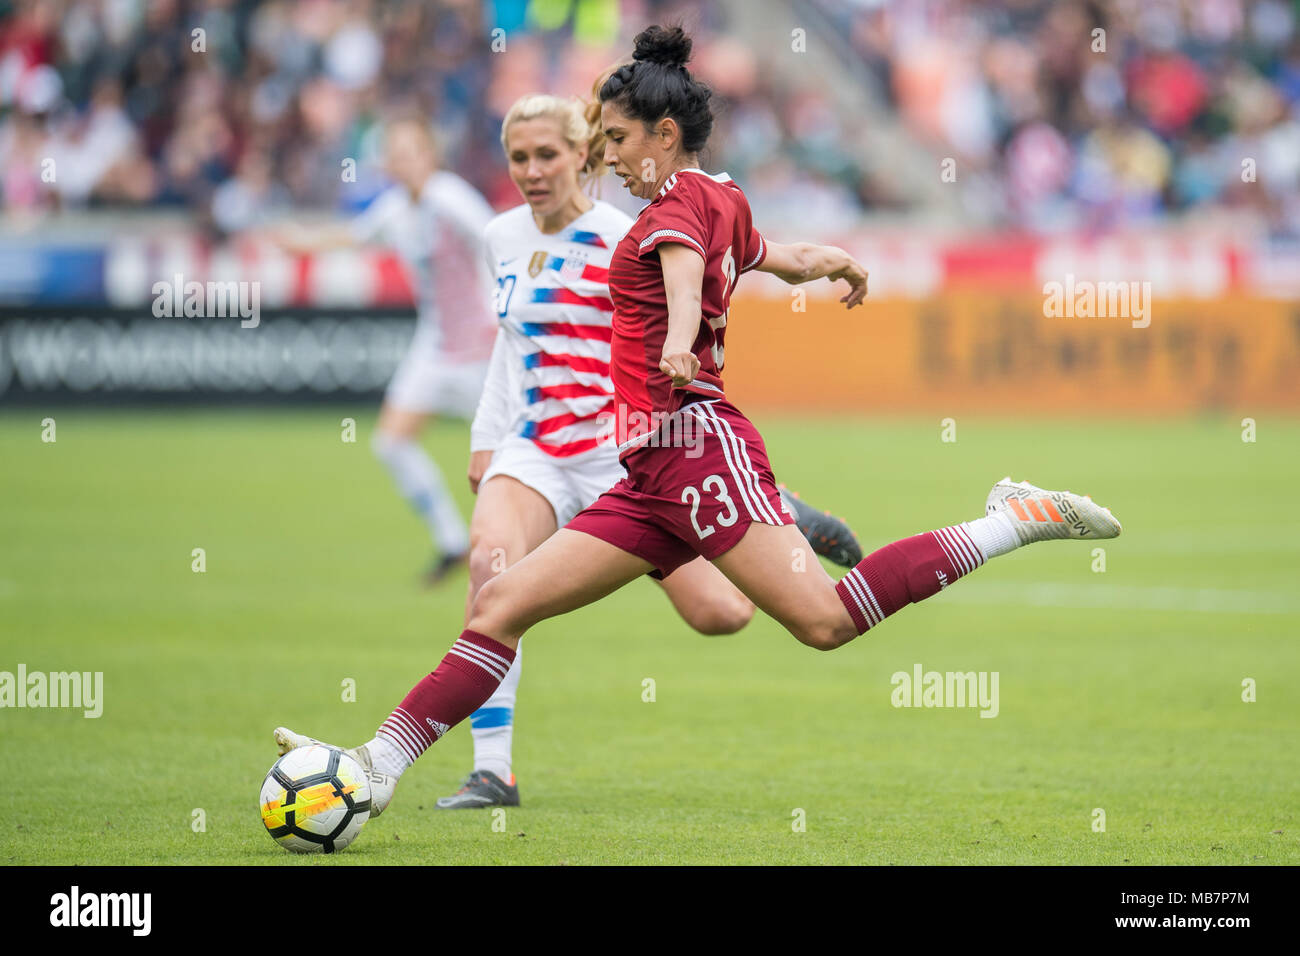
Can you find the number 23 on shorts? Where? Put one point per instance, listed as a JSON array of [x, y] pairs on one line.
[[726, 515]]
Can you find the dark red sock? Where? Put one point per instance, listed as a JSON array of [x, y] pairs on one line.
[[461, 684], [905, 572]]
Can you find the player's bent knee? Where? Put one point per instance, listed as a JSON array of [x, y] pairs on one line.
[[496, 611], [487, 559], [488, 611], [398, 424], [726, 617]]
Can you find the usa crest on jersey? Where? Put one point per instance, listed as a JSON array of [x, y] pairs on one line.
[[571, 268]]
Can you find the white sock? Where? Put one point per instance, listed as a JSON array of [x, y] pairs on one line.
[[493, 725], [993, 535], [387, 756], [420, 483]]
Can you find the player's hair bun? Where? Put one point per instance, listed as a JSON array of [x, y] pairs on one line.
[[667, 45], [657, 84]]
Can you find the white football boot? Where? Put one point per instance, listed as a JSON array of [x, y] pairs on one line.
[[1040, 515], [382, 784]]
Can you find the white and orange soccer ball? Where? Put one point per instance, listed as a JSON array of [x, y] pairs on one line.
[[315, 800]]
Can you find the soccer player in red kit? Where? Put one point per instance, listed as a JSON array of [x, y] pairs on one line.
[[698, 479]]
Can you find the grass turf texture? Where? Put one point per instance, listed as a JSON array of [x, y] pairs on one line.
[[1118, 690]]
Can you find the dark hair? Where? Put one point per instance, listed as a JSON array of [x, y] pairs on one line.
[[657, 84]]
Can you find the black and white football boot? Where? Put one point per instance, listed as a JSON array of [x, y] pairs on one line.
[[829, 536], [482, 788]]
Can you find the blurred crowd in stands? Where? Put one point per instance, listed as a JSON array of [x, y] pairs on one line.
[[1075, 114], [1058, 114]]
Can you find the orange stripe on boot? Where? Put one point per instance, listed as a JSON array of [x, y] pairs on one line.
[[1014, 505], [1033, 510], [1050, 509]]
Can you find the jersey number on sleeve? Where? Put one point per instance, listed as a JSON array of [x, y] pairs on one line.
[[720, 322]]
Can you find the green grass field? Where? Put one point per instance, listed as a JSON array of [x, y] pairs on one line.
[[1119, 690]]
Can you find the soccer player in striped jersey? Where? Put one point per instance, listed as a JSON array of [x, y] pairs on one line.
[[671, 279], [435, 222], [541, 446]]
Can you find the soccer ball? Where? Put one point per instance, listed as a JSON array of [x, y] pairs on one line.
[[315, 800]]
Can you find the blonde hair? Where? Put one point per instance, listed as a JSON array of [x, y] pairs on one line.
[[579, 125]]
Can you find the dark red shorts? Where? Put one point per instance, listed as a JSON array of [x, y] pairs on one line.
[[694, 489]]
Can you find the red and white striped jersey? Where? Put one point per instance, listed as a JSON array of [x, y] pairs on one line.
[[549, 377], [439, 236]]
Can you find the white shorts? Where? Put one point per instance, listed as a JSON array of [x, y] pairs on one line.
[[569, 485], [427, 380]]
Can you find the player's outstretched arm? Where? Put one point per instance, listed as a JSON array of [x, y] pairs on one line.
[[798, 262]]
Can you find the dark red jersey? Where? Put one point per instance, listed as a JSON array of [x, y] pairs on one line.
[[710, 215]]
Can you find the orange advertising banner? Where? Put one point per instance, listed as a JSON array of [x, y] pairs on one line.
[[985, 352]]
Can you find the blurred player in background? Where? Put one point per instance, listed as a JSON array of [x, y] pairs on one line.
[[435, 221], [541, 448]]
